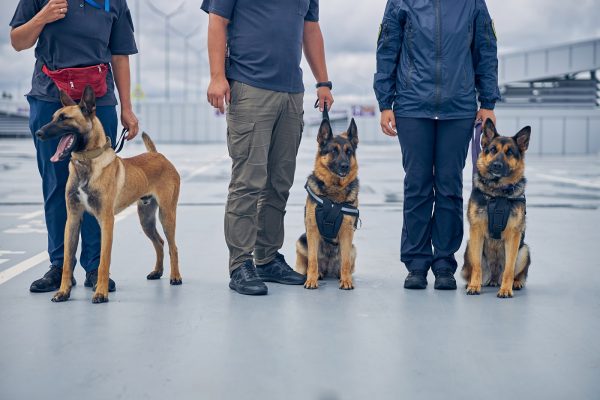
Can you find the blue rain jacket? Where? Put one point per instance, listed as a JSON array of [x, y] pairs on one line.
[[432, 55]]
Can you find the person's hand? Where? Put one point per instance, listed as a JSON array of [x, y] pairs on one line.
[[388, 123], [483, 115], [219, 93], [53, 11], [130, 122], [324, 95]]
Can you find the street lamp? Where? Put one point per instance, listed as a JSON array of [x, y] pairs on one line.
[[167, 17]]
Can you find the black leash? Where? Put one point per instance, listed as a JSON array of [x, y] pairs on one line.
[[121, 141], [325, 112]]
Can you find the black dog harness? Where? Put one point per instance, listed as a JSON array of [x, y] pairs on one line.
[[498, 209], [329, 215]]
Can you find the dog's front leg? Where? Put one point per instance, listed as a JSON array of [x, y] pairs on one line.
[[107, 222], [474, 253], [346, 254], [511, 250], [72, 227], [312, 239]]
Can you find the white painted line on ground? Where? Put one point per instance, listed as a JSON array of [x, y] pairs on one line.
[[32, 215], [42, 257], [23, 266], [571, 181]]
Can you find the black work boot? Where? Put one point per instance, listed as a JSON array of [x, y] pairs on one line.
[[415, 280], [444, 280], [280, 272], [91, 279], [50, 281], [245, 280]]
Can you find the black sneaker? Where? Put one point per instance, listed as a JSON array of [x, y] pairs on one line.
[[50, 281], [280, 272], [245, 280], [91, 279], [415, 280], [445, 281]]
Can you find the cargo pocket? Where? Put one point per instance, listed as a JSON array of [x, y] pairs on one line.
[[239, 138]]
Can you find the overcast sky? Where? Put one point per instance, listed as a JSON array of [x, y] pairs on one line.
[[350, 28]]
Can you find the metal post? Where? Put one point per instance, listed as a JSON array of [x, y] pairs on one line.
[[167, 17], [186, 38]]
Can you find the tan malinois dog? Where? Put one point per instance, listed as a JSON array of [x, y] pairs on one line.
[[104, 185]]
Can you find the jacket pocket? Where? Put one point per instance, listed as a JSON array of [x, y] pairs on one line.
[[239, 138]]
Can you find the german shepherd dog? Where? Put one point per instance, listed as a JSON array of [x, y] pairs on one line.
[[496, 254], [103, 184], [334, 178]]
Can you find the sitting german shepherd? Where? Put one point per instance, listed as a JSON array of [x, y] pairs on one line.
[[103, 184], [331, 212], [496, 254]]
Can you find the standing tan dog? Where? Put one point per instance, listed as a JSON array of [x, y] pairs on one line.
[[331, 212], [103, 185]]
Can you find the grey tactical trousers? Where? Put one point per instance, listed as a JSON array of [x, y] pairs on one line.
[[264, 129]]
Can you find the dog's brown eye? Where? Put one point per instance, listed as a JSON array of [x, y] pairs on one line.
[[493, 150], [349, 152], [509, 152]]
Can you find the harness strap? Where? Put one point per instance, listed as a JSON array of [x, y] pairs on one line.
[[346, 209], [498, 214], [91, 154]]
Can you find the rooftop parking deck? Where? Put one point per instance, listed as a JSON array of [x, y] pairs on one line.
[[203, 341]]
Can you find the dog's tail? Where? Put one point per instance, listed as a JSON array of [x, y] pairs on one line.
[[148, 143]]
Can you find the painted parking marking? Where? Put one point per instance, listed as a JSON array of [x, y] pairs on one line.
[[571, 181]]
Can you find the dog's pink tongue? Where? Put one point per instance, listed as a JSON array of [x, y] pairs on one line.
[[60, 149]]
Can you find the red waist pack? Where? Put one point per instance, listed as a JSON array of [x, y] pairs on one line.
[[74, 80]]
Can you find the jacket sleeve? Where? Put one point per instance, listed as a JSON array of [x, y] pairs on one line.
[[389, 44], [485, 57]]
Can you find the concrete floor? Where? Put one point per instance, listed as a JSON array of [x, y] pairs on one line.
[[203, 341]]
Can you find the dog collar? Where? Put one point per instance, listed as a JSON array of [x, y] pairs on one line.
[[91, 154]]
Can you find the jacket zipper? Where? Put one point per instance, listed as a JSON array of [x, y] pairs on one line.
[[410, 55], [438, 65]]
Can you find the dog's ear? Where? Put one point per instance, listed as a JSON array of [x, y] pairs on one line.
[[66, 100], [88, 101], [353, 134], [325, 133], [522, 138], [489, 133]]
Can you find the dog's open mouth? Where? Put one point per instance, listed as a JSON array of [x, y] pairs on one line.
[[66, 144]]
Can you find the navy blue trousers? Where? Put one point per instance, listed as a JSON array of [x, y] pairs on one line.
[[54, 179], [433, 156]]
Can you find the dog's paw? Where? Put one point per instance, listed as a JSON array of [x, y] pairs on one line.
[[61, 296], [518, 285], [100, 298], [154, 275], [311, 283], [176, 280], [346, 284], [473, 290], [505, 293]]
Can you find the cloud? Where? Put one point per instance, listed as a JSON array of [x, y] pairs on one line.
[[350, 30]]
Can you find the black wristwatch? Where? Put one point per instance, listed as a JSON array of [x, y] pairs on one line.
[[327, 84]]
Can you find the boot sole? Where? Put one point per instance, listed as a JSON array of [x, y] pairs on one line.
[[51, 289], [260, 292]]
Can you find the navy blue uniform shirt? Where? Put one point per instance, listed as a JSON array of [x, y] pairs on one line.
[[86, 36], [264, 40]]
